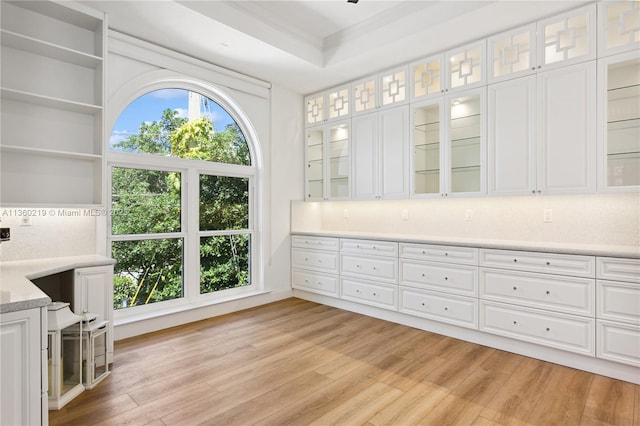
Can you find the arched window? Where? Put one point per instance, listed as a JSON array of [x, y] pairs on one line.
[[182, 184]]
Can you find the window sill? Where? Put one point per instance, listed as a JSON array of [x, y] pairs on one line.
[[144, 316]]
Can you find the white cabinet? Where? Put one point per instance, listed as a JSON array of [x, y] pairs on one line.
[[53, 68], [449, 145], [544, 298], [328, 162], [619, 122], [512, 54], [315, 262], [618, 310], [567, 38], [93, 293], [542, 133], [567, 129], [380, 154], [439, 283], [428, 78], [388, 89], [332, 104], [466, 66], [23, 367], [619, 27]]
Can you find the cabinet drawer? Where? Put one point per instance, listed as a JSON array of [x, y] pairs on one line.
[[617, 269], [440, 277], [315, 260], [618, 301], [619, 342], [550, 263], [464, 255], [566, 332], [318, 243], [369, 247], [317, 283], [564, 294], [462, 311], [380, 295], [377, 268]]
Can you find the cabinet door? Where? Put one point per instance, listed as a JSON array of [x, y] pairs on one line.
[[427, 78], [512, 136], [428, 138], [394, 145], [512, 54], [93, 292], [338, 103], [567, 128], [619, 27], [365, 95], [20, 368], [314, 111], [394, 87], [314, 153], [619, 122], [568, 38], [466, 154], [467, 66], [338, 164], [365, 156]]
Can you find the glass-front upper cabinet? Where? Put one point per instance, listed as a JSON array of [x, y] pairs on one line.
[[619, 122], [466, 66], [512, 54], [330, 105], [427, 127], [427, 78], [567, 38], [467, 142], [387, 89], [328, 162], [620, 27]]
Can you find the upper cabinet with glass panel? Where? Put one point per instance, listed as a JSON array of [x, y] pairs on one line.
[[387, 89], [330, 105], [619, 27], [567, 38], [466, 66], [427, 78], [512, 54]]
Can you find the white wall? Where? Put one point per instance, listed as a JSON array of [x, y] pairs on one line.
[[609, 220]]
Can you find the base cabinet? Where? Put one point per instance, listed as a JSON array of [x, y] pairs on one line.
[[23, 367], [582, 311], [93, 293]]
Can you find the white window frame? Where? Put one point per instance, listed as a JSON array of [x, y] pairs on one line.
[[190, 171]]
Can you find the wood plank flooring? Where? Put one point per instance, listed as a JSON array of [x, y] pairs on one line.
[[295, 362]]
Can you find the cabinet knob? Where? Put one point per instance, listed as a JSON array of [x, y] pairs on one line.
[[548, 263], [374, 268], [423, 275], [446, 278], [533, 68], [319, 283], [515, 260], [446, 308], [446, 254], [548, 292], [424, 252], [422, 303], [374, 294], [515, 323], [515, 288], [548, 329]]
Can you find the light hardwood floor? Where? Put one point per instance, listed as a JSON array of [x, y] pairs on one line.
[[295, 362]]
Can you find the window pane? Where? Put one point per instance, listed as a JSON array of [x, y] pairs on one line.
[[224, 203], [147, 271], [180, 123], [224, 262], [145, 201]]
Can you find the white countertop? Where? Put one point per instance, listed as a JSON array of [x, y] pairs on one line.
[[538, 246], [17, 292]]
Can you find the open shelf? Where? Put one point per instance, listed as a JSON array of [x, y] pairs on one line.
[[49, 101]]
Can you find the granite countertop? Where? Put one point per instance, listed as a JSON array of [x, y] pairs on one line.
[[538, 246], [17, 292]]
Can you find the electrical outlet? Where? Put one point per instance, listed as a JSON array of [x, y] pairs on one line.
[[25, 221], [547, 215], [468, 215], [405, 214]]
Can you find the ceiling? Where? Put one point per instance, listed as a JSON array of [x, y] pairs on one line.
[[311, 45]]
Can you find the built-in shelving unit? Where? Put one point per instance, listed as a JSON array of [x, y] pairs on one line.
[[51, 95]]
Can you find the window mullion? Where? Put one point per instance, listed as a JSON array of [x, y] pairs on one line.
[[191, 203]]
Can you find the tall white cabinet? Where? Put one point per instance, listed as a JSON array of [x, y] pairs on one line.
[[52, 103]]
